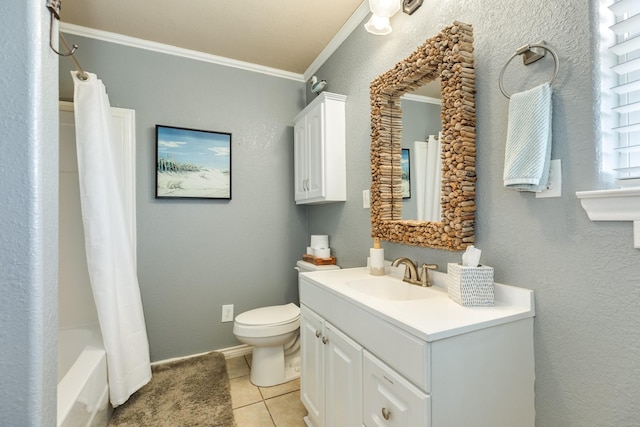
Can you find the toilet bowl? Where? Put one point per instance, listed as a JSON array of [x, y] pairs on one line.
[[273, 332]]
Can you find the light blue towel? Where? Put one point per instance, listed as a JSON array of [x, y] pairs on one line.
[[528, 151]]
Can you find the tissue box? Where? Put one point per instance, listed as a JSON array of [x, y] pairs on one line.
[[470, 286]]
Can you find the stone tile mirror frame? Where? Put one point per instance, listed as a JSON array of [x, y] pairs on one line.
[[449, 56]]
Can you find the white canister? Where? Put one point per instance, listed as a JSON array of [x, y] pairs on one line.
[[376, 262]]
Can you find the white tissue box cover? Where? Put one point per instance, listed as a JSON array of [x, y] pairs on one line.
[[470, 286]]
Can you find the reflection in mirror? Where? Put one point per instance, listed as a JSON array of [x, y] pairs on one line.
[[421, 127], [448, 56]]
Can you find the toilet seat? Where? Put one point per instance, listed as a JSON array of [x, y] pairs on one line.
[[267, 321], [273, 315]]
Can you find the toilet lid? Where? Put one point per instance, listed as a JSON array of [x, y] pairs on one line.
[[273, 315]]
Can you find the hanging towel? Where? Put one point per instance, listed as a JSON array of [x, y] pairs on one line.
[[528, 150]]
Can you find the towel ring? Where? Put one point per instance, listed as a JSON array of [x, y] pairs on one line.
[[529, 58]]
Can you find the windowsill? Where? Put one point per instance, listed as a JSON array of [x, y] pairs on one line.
[[621, 204]]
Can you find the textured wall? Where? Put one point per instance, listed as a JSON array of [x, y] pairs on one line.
[[28, 216], [586, 275], [194, 256]]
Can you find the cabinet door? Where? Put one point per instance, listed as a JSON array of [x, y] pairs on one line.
[[312, 373], [343, 381], [316, 147], [301, 162], [390, 400]]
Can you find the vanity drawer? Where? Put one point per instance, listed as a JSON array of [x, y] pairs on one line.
[[404, 352], [389, 399]]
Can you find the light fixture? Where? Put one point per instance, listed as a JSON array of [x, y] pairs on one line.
[[410, 6], [382, 10]]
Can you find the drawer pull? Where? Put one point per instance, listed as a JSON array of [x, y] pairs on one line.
[[317, 334], [386, 414], [325, 340]]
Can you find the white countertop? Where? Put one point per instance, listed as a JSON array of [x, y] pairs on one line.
[[432, 318]]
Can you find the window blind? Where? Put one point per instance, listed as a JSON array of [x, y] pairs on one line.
[[626, 50]]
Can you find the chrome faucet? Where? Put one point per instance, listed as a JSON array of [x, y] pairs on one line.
[[411, 274]]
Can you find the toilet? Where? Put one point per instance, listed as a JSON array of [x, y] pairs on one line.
[[274, 333]]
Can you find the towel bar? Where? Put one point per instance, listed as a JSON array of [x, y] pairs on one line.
[[530, 57]]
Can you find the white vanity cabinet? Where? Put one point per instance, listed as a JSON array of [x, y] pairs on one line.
[[319, 151], [425, 361], [331, 374], [389, 399]]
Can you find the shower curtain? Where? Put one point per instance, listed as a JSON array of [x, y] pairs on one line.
[[428, 178], [110, 252]]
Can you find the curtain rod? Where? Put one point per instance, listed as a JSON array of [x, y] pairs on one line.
[[81, 73], [54, 10]]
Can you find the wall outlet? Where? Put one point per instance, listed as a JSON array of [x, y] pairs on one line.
[[227, 313], [366, 199], [554, 189]]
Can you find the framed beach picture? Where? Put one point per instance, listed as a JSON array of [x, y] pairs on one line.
[[192, 164], [406, 174]]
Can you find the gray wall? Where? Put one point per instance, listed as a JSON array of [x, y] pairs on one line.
[[586, 275], [28, 216], [196, 255]]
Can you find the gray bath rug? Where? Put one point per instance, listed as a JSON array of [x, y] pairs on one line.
[[192, 392]]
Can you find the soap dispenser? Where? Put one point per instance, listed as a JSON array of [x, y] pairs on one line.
[[376, 258]]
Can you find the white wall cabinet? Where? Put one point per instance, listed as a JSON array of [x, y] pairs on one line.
[[319, 151], [425, 363], [331, 374]]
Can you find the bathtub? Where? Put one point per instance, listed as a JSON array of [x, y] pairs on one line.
[[83, 393]]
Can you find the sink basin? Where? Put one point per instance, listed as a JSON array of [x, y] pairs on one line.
[[388, 288]]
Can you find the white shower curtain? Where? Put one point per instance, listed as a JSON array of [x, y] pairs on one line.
[[110, 252], [428, 178]]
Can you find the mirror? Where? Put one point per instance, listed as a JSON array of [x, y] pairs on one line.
[[448, 56], [421, 177]]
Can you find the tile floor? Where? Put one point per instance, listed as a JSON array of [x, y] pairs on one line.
[[277, 406]]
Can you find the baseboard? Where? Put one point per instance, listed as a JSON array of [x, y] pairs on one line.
[[229, 352], [236, 351]]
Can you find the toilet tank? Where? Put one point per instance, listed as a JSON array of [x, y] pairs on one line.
[[303, 267]]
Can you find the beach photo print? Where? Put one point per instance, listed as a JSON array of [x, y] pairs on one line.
[[192, 163], [406, 174]]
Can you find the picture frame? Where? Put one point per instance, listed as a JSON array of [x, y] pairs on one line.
[[406, 173], [192, 163]]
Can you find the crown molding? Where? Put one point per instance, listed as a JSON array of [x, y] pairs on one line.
[[352, 23], [421, 98], [344, 32], [176, 51]]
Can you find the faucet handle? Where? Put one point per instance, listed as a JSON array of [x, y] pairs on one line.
[[424, 273]]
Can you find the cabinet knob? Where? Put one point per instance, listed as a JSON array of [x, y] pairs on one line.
[[317, 334], [325, 340], [386, 414]]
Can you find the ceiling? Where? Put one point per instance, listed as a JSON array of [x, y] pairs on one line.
[[286, 35]]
